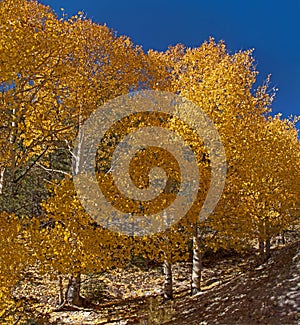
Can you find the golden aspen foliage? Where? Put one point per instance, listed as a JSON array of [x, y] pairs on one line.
[[221, 84], [14, 256], [70, 241], [270, 186], [54, 73]]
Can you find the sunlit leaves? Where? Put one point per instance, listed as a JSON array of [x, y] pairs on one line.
[[15, 255], [55, 72]]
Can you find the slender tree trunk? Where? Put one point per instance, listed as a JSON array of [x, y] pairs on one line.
[[196, 270], [61, 291], [262, 250], [282, 238], [168, 282], [268, 248], [265, 249], [78, 155], [268, 240], [73, 291], [12, 141], [197, 264], [2, 171]]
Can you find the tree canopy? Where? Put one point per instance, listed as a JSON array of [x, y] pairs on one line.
[[54, 73]]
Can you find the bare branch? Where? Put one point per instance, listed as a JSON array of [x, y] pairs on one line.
[[53, 170]]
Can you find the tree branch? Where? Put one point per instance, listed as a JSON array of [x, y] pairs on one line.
[[30, 166], [53, 170]]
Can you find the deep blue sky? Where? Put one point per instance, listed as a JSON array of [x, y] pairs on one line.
[[271, 27]]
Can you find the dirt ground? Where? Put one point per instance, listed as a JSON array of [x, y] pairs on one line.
[[234, 291], [269, 294]]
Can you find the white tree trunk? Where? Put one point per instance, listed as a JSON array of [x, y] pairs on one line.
[[196, 266], [78, 155], [168, 282], [2, 171], [73, 291]]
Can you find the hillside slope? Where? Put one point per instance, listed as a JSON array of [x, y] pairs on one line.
[[234, 292], [269, 294]]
